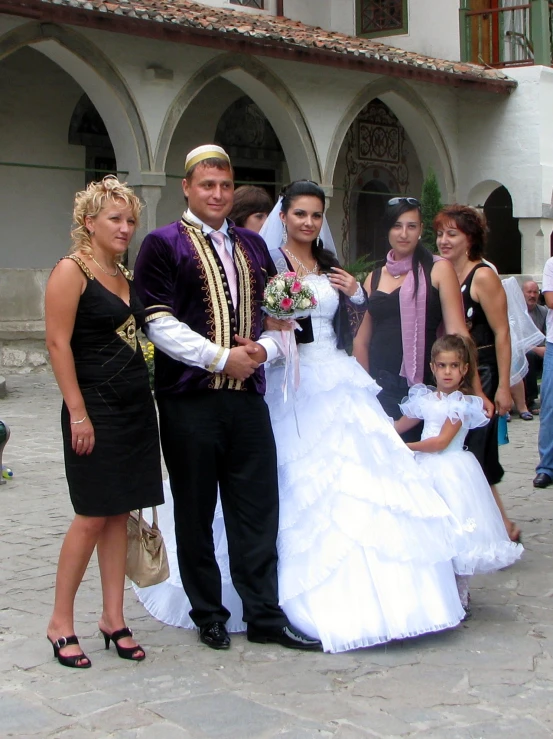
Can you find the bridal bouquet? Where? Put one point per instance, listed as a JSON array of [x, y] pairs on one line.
[[288, 296]]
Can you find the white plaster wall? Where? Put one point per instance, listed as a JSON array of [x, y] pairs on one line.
[[332, 15], [38, 100], [433, 29], [508, 141]]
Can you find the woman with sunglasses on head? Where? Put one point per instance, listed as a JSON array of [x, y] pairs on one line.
[[409, 299]]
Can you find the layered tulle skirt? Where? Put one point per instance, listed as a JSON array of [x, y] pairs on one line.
[[485, 545]]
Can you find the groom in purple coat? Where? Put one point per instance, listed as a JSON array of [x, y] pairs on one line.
[[201, 280]]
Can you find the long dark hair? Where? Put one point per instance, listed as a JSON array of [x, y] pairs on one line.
[[300, 188], [421, 255], [465, 349]]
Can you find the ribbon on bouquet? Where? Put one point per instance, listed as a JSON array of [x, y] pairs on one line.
[[286, 342]]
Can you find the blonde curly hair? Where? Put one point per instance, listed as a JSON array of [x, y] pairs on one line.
[[91, 201]]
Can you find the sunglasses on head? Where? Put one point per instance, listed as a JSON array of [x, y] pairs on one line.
[[409, 201]]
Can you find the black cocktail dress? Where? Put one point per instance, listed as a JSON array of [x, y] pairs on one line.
[[123, 472]]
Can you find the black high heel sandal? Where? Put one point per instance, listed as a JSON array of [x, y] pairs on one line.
[[124, 652], [71, 660]]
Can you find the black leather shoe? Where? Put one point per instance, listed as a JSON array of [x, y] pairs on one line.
[[215, 635], [542, 480], [286, 636]]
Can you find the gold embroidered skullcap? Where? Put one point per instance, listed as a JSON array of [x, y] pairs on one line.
[[200, 153]]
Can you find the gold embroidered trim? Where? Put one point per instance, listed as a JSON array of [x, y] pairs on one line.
[[217, 301], [126, 273], [246, 287], [159, 314], [81, 264], [166, 307], [127, 332], [215, 362]]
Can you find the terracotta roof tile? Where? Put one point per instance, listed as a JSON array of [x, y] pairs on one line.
[[276, 31]]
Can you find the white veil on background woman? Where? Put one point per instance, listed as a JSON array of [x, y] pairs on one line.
[[272, 232]]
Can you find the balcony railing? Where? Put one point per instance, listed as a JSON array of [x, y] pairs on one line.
[[513, 35]]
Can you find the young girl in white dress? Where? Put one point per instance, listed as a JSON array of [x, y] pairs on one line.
[[449, 411]]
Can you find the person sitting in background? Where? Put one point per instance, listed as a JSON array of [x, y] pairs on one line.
[[251, 207], [535, 356]]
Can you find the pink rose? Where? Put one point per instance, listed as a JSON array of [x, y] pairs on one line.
[[313, 300], [286, 303], [296, 287], [289, 274]]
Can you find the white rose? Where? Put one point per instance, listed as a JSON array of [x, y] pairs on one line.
[[279, 285], [305, 303], [270, 300]]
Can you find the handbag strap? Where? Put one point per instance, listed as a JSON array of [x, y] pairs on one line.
[[141, 519]]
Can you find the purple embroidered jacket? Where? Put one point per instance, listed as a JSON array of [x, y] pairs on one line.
[[178, 273]]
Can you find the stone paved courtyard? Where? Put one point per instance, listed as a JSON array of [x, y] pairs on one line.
[[492, 677]]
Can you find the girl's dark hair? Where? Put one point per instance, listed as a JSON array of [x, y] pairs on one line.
[[421, 255], [469, 221], [249, 199], [301, 188], [465, 349]]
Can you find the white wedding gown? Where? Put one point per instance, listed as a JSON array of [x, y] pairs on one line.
[[365, 543]]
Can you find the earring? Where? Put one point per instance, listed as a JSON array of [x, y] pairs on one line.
[[318, 241], [284, 234], [91, 233]]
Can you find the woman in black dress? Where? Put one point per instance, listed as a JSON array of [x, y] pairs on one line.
[[460, 236], [409, 298], [108, 418]]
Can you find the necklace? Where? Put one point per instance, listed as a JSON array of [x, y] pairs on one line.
[[312, 271], [109, 274]]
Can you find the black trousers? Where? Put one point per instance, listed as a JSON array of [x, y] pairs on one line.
[[535, 368], [394, 390], [224, 438]]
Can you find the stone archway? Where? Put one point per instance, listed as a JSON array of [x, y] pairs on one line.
[[93, 71], [504, 247], [269, 94], [414, 116]]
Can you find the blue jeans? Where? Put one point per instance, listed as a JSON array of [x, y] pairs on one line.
[[545, 441]]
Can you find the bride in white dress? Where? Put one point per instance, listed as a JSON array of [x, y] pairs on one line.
[[365, 543]]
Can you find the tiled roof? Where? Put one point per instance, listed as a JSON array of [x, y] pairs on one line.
[[261, 33]]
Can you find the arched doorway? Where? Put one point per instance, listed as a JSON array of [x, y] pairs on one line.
[[222, 113], [504, 247], [255, 151], [47, 152], [376, 161], [371, 235], [88, 129]]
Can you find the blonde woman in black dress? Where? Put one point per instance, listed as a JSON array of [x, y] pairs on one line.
[[108, 419]]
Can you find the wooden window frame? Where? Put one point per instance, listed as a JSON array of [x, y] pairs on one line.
[[381, 34], [244, 4]]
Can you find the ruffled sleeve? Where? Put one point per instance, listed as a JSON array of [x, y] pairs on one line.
[[468, 409], [416, 404]]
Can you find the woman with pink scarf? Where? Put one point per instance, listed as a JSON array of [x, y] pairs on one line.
[[414, 297]]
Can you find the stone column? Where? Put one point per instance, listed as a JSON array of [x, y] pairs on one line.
[[149, 189], [536, 245]]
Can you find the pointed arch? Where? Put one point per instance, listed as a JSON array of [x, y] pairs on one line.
[[95, 74], [268, 92], [416, 119]]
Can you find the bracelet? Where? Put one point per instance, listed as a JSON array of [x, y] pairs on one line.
[[81, 421]]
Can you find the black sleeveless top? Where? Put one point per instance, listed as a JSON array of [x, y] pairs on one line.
[[477, 323], [386, 348]]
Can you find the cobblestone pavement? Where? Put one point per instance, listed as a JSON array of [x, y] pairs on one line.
[[491, 677]]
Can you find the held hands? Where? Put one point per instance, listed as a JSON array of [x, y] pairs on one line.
[[244, 359], [82, 436], [342, 280], [277, 324]]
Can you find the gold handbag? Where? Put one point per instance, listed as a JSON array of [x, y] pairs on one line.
[[147, 562]]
